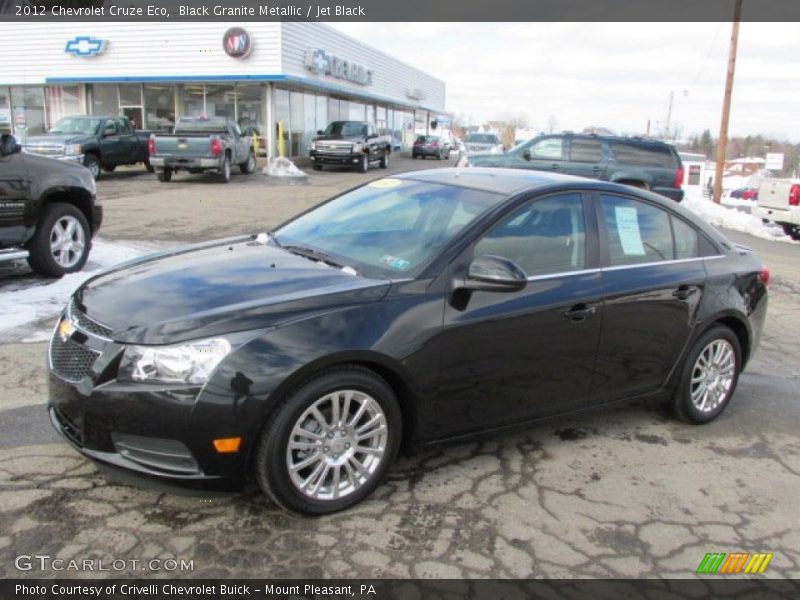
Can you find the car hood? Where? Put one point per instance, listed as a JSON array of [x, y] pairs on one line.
[[55, 138], [216, 288]]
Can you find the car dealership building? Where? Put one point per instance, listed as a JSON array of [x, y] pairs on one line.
[[276, 78]]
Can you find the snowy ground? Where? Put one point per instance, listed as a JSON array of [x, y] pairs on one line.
[[29, 304], [731, 217]]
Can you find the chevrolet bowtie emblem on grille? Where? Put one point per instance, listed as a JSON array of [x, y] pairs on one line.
[[65, 330]]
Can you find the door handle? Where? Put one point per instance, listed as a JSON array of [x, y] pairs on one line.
[[684, 291], [555, 167], [579, 312], [596, 169]]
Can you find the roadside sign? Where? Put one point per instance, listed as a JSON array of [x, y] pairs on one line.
[[774, 161]]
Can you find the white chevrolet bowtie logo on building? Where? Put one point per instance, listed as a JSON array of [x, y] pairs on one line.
[[323, 63], [85, 46], [318, 61]]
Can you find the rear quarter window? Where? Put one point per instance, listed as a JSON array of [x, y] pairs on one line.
[[643, 156]]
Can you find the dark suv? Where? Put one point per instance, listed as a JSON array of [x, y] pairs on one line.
[[637, 162]]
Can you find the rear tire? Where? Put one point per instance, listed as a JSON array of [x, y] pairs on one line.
[[317, 167], [225, 173], [329, 474], [709, 376], [62, 241], [109, 168], [148, 166], [164, 175]]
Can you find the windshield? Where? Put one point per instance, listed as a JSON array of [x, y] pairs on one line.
[[201, 126], [482, 138], [76, 125], [346, 129], [390, 227], [423, 139]]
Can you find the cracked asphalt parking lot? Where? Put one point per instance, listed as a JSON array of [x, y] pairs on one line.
[[620, 492]]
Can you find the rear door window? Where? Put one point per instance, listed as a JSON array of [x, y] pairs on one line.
[[637, 232], [685, 239], [590, 151]]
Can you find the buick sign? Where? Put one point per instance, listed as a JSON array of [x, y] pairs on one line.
[[237, 42]]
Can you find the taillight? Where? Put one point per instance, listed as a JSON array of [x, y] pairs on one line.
[[794, 195], [151, 145], [216, 147], [763, 276], [678, 177]]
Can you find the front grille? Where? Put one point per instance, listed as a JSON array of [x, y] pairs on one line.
[[45, 150], [70, 360], [70, 429], [82, 321], [335, 148]]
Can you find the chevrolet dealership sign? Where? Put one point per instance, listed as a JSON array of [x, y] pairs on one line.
[[323, 63]]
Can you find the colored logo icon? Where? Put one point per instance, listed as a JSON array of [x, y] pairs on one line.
[[721, 563], [237, 42], [84, 45]]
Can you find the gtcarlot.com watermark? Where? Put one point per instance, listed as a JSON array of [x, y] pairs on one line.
[[45, 562]]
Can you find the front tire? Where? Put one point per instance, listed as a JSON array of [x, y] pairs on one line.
[[709, 377], [249, 166], [91, 162], [331, 442], [363, 165], [62, 241], [385, 160]]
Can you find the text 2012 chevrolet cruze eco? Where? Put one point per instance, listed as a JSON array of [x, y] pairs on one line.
[[410, 310]]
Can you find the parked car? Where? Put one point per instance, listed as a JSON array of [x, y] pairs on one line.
[[745, 193], [354, 143], [100, 143], [430, 145], [779, 202], [415, 309], [637, 162], [48, 211], [200, 145], [483, 142]]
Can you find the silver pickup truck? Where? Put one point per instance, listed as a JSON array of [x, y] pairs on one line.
[[201, 144]]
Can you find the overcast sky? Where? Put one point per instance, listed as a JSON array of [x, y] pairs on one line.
[[615, 75]]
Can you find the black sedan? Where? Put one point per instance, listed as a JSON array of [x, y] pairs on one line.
[[414, 309]]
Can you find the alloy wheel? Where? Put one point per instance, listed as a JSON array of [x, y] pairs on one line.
[[713, 375], [337, 445], [67, 241]]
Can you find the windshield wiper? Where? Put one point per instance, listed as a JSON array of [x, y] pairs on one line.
[[313, 254]]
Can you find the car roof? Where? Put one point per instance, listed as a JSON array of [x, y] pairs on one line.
[[500, 181], [616, 139]]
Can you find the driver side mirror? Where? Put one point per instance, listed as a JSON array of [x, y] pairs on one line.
[[320, 132], [109, 131], [526, 155], [491, 273]]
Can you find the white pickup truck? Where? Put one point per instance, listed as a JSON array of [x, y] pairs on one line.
[[779, 202]]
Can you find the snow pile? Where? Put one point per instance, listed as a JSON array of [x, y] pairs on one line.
[[730, 218], [282, 167], [29, 305]]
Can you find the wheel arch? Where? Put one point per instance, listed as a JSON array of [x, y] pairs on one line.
[[740, 329], [78, 197], [383, 366]]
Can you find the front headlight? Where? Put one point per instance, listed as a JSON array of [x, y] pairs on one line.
[[72, 149], [496, 150], [312, 146], [192, 362], [357, 148]]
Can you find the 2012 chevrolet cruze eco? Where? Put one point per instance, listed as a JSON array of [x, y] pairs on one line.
[[410, 310]]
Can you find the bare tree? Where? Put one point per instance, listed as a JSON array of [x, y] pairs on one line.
[[552, 123]]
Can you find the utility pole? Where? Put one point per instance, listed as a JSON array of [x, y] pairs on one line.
[[667, 134], [726, 103]]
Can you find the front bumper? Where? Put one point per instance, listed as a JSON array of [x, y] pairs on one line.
[[328, 158], [184, 163]]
